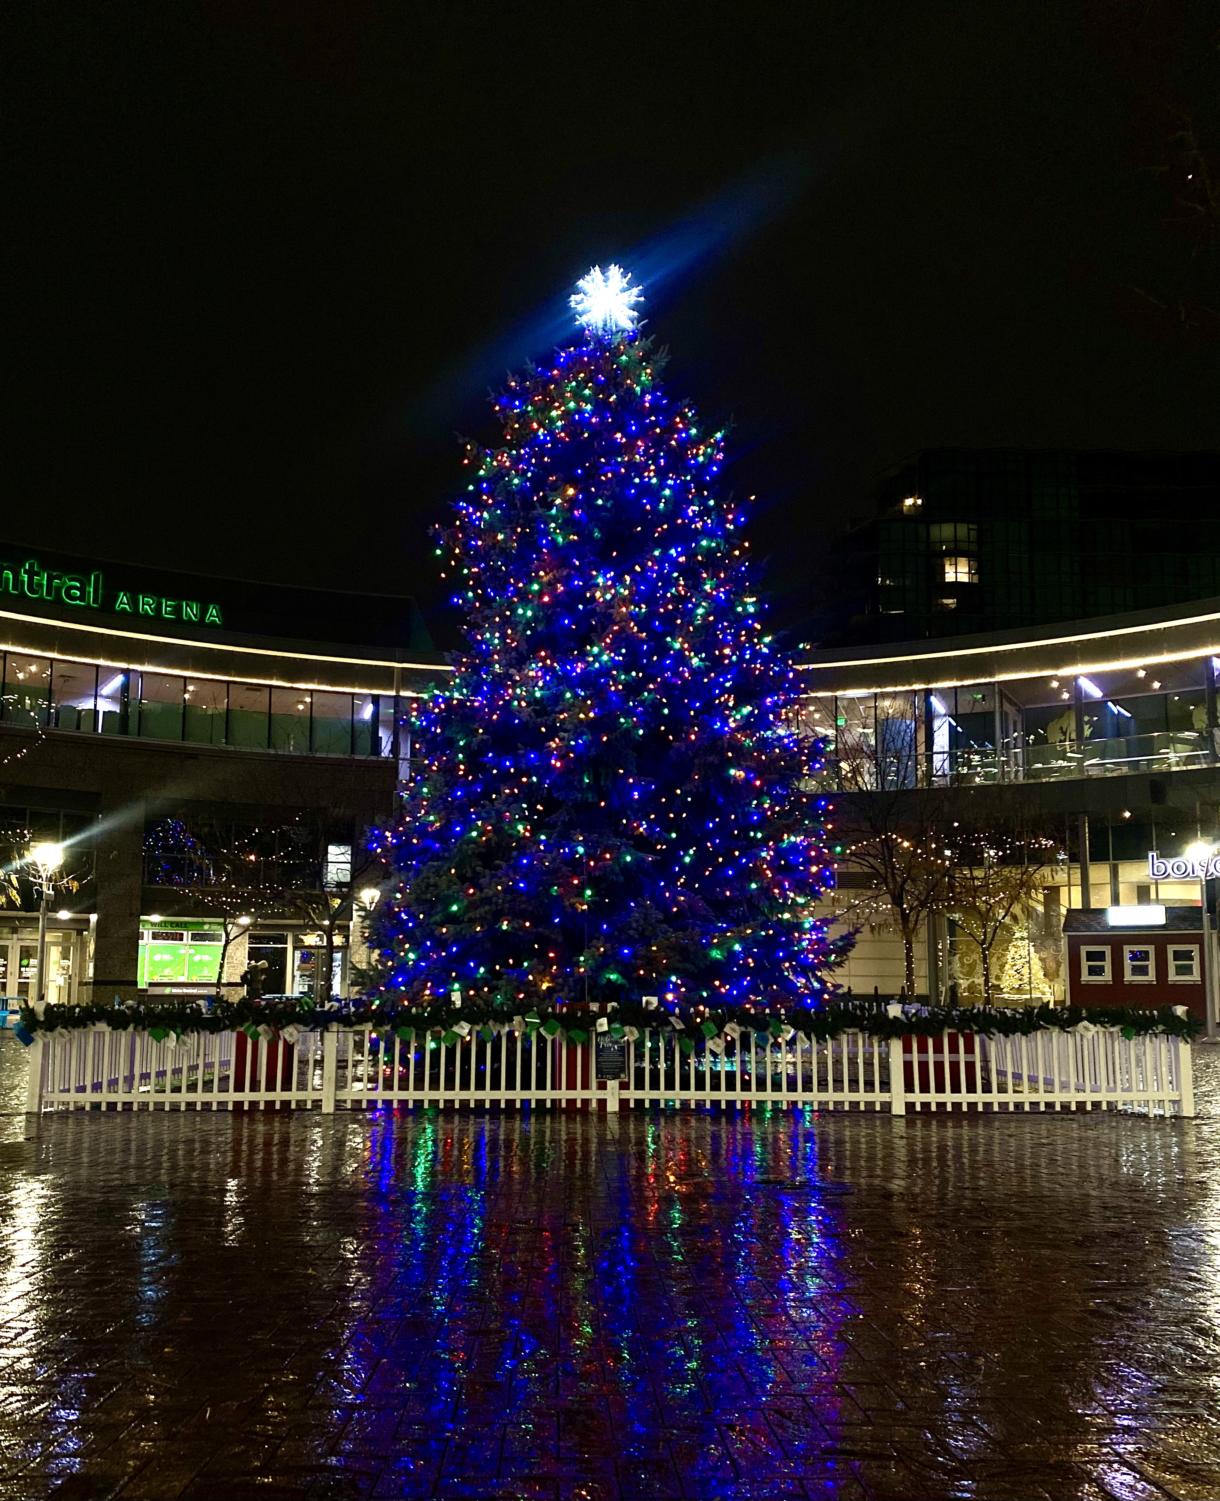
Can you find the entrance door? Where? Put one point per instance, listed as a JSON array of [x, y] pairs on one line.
[[19, 966], [61, 949], [25, 962]]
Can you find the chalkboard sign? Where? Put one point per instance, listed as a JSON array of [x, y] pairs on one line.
[[611, 1057]]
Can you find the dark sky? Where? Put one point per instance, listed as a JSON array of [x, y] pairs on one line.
[[270, 256]]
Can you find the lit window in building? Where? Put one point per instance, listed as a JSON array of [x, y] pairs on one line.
[[1138, 964], [1095, 963], [1184, 964], [961, 570], [954, 536], [338, 866], [912, 503]]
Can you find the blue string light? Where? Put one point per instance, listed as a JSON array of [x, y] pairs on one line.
[[612, 794]]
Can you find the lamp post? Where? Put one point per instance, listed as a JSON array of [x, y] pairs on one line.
[[359, 952], [1201, 851], [46, 857]]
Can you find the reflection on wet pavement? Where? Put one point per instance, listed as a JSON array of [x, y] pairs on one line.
[[567, 1306]]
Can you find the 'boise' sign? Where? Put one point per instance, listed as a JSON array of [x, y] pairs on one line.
[[88, 591], [1183, 867]]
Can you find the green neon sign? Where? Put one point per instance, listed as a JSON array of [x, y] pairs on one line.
[[88, 591]]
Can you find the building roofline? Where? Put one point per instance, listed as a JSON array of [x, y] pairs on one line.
[[1127, 640]]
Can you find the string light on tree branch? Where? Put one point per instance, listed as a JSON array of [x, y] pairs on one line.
[[613, 794]]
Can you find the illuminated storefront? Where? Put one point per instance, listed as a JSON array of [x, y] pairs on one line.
[[1107, 739], [127, 697]]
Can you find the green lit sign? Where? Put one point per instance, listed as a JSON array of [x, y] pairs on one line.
[[88, 591]]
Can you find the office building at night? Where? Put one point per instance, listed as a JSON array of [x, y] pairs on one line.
[[967, 540]]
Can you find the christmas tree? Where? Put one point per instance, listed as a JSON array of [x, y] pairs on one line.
[[1023, 974], [611, 796]]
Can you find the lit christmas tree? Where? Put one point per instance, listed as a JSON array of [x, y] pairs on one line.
[[610, 798], [1023, 975]]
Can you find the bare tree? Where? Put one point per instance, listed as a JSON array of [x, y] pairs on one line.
[[993, 872], [906, 865], [890, 833], [962, 849], [329, 899], [237, 872]]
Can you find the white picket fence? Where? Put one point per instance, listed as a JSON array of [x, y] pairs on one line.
[[357, 1068]]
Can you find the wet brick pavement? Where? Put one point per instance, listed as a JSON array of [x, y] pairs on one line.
[[562, 1306]]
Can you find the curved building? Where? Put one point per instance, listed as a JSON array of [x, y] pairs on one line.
[[201, 747], [1105, 734], [211, 752]]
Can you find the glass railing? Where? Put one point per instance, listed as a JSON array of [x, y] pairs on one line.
[[1162, 751], [1123, 755]]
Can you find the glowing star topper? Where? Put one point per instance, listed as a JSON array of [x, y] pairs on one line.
[[605, 302]]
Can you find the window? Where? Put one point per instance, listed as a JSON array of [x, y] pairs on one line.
[[961, 570], [248, 715], [73, 695], [1138, 965], [1183, 964], [161, 703], [290, 719], [112, 687], [271, 951], [955, 535], [338, 870], [331, 730], [366, 740], [27, 689], [206, 707], [1095, 964]]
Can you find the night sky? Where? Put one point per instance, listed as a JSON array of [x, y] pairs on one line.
[[267, 258]]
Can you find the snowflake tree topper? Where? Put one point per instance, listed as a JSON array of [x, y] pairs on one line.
[[605, 302]]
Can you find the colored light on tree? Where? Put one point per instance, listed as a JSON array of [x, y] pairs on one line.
[[611, 796]]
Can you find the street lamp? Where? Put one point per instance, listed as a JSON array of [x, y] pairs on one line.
[[370, 896], [46, 857], [1200, 851]]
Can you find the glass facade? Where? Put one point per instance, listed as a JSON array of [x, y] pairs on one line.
[[969, 540], [90, 699], [1130, 719], [27, 689]]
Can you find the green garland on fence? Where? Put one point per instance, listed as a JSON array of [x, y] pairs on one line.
[[696, 1028]]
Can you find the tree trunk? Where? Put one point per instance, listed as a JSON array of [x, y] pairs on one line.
[[985, 955], [229, 935], [908, 962], [326, 978]]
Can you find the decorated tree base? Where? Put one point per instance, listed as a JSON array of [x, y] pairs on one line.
[[697, 1028]]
